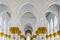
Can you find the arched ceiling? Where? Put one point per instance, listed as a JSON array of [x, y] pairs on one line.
[[37, 8], [28, 19]]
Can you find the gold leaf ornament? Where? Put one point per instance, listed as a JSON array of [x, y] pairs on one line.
[[58, 32], [41, 30], [47, 36], [34, 36], [55, 34], [15, 30], [50, 35], [1, 34], [9, 36], [5, 35], [22, 36]]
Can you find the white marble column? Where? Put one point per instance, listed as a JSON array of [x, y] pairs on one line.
[[55, 26], [1, 26], [12, 37], [39, 37], [8, 31], [59, 37], [51, 29], [43, 36], [5, 28], [17, 37], [48, 31], [1, 38]]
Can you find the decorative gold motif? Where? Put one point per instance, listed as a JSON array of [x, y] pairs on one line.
[[37, 33], [34, 36], [15, 30], [41, 30], [22, 36], [5, 35], [47, 36], [19, 32], [55, 34], [58, 32], [1, 34], [9, 36], [50, 35]]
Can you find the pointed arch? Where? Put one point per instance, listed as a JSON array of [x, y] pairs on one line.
[[5, 17], [27, 12], [28, 21]]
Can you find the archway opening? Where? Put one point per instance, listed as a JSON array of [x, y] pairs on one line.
[[28, 19], [28, 34], [28, 31], [52, 24], [4, 21]]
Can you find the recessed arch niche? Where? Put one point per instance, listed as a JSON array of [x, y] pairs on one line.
[[50, 16], [28, 27], [5, 17], [28, 20], [52, 23], [28, 11], [55, 9]]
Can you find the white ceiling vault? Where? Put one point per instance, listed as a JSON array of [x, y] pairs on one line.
[[39, 8]]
